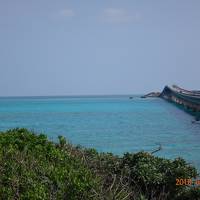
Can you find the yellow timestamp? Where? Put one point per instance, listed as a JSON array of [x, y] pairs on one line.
[[184, 181]]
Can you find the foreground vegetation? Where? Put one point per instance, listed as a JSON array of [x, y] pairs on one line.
[[32, 167]]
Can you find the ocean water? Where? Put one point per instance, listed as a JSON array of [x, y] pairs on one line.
[[114, 124]]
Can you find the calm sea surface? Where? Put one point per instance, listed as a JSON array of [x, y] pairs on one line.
[[116, 124]]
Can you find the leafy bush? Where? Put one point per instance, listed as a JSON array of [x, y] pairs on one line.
[[157, 176], [32, 167]]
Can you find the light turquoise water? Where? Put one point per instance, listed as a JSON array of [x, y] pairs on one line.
[[116, 124]]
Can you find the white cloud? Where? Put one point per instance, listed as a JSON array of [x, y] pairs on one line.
[[67, 13], [116, 15]]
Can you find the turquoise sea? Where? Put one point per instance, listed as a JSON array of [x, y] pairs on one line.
[[108, 123]]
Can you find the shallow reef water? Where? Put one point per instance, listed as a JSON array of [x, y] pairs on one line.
[[116, 124]]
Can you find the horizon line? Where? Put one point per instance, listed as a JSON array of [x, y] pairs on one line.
[[75, 95]]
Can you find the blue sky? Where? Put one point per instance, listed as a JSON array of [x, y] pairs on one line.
[[50, 47]]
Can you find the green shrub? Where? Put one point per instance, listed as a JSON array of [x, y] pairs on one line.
[[31, 167], [157, 176]]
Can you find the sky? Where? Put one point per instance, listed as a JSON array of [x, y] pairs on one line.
[[92, 47]]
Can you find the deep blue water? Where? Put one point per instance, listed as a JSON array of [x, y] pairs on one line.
[[116, 124]]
